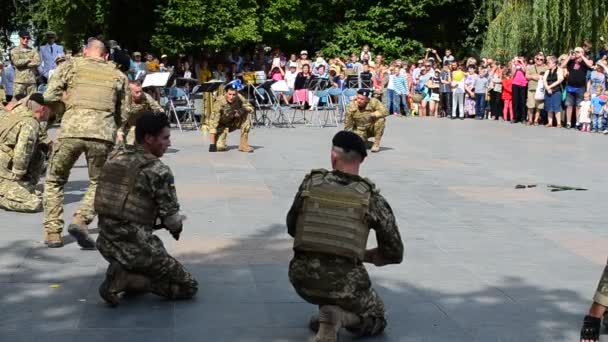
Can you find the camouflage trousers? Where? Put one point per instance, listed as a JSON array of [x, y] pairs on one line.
[[375, 130], [243, 123], [19, 196], [321, 282], [65, 153], [601, 295], [24, 88], [139, 251]]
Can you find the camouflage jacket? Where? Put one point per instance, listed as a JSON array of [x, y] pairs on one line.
[[88, 123], [135, 110], [357, 119], [330, 276], [224, 113], [26, 62], [19, 132]]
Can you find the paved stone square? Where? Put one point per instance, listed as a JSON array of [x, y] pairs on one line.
[[483, 261]]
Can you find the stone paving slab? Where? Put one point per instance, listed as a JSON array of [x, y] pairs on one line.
[[484, 262]]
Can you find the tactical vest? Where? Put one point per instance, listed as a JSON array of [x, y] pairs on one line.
[[332, 219], [92, 86], [117, 197]]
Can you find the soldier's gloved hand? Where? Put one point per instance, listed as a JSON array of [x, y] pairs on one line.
[[174, 224], [212, 148], [591, 329]]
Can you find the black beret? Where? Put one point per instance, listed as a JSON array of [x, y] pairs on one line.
[[38, 98], [231, 86], [349, 141], [24, 33], [364, 92]]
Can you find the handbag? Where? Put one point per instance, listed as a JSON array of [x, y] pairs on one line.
[[434, 97], [539, 94]]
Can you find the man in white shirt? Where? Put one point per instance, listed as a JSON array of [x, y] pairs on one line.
[[49, 53]]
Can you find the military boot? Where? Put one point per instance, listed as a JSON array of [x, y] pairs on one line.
[[115, 283], [244, 146], [53, 240], [376, 146], [221, 142], [80, 231], [331, 319]]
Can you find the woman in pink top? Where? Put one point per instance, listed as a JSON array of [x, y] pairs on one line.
[[520, 89]]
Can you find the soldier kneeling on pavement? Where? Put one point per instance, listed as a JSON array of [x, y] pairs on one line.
[[135, 189], [230, 113], [330, 218], [22, 155], [365, 117], [139, 102]]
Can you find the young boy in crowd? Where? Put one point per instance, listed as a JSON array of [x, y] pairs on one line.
[[597, 104]]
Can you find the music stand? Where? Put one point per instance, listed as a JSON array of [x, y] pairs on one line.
[[366, 81], [352, 81], [209, 87]]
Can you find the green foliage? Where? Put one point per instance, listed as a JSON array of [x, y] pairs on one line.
[[552, 26], [396, 28]]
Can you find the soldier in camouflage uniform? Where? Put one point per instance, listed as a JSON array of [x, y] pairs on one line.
[[230, 113], [365, 117], [330, 219], [22, 156], [590, 332], [138, 103], [136, 188], [26, 61], [95, 92]]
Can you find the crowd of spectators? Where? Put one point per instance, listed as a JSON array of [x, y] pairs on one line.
[[569, 90]]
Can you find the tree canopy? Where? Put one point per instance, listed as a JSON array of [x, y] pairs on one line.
[[396, 28]]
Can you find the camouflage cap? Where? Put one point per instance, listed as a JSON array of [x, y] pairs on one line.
[[349, 141]]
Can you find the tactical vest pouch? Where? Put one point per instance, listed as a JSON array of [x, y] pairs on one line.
[[92, 86], [333, 220], [116, 196]]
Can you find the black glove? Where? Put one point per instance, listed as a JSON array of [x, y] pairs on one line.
[[176, 234], [591, 328], [212, 148]]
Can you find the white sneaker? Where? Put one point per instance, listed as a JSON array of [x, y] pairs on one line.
[[605, 131]]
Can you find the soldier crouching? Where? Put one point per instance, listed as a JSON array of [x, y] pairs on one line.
[[330, 218], [135, 189], [365, 117], [22, 155], [231, 112]]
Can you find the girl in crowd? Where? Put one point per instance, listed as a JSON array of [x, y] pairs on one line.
[[469, 86], [507, 95], [584, 113], [433, 85], [553, 79]]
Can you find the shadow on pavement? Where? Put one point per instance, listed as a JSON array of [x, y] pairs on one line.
[[245, 295]]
